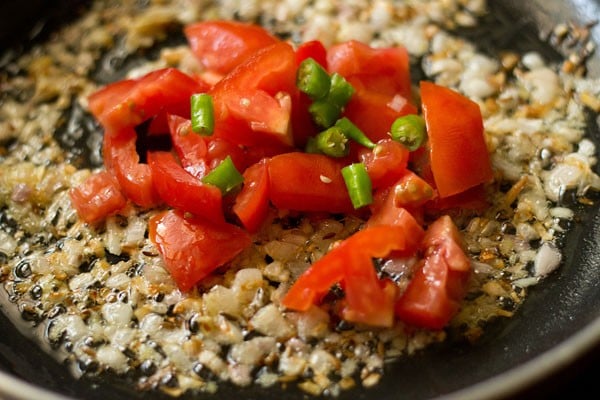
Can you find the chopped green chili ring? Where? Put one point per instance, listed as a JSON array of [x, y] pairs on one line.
[[312, 79], [203, 118], [224, 176], [410, 131], [311, 146], [332, 142], [358, 184], [324, 113], [354, 133], [341, 90]]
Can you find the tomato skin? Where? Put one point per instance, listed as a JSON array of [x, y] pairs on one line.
[[385, 211], [459, 155], [350, 263], [433, 295], [307, 182], [253, 102], [192, 248], [128, 103], [381, 79], [312, 49], [252, 203], [386, 163], [267, 117], [181, 190], [109, 96], [383, 70], [97, 197], [190, 147], [222, 45], [367, 103], [135, 179]]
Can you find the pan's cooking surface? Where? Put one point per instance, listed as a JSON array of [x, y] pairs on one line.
[[567, 303]]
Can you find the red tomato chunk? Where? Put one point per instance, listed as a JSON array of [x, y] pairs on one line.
[[98, 197], [193, 247]]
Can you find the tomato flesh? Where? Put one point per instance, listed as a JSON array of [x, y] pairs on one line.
[[97, 197], [127, 104], [191, 148], [135, 178], [179, 189], [312, 49], [381, 79], [433, 295], [307, 182], [350, 263], [459, 155], [252, 103], [386, 163], [222, 45], [252, 203], [192, 248]]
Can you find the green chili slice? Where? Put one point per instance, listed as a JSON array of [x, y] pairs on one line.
[[311, 146], [324, 113], [358, 184], [410, 131], [354, 133], [203, 118], [332, 142], [312, 79], [224, 176], [341, 90], [326, 110]]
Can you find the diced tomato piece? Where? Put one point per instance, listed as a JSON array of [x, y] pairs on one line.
[[190, 147], [97, 197], [218, 149], [381, 79], [263, 113], [412, 191], [368, 300], [109, 96], [375, 112], [253, 103], [386, 163], [350, 263], [434, 294], [307, 182], [312, 49], [192, 248], [181, 190], [222, 45], [128, 103], [382, 70], [122, 159], [385, 211], [459, 155], [252, 203]]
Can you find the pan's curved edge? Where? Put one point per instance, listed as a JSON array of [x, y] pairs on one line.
[[13, 388], [533, 372]]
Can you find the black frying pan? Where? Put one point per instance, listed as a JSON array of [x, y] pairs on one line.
[[546, 350]]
